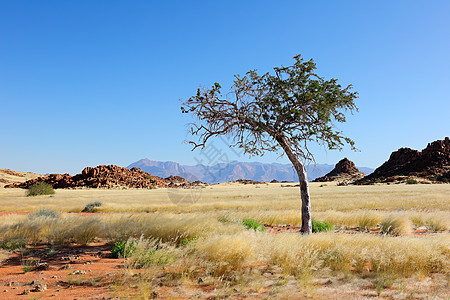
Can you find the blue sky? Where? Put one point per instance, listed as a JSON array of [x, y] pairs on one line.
[[84, 83]]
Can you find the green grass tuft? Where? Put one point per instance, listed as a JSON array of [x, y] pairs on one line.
[[253, 224], [318, 226]]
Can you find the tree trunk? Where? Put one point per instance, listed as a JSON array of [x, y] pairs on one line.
[[303, 180]]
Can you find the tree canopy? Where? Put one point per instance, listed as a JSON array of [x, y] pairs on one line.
[[294, 102]]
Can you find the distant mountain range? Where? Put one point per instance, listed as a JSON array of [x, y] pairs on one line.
[[232, 171]]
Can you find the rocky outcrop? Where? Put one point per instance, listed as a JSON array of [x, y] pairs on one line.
[[432, 163], [8, 177], [110, 176], [247, 181], [344, 171]]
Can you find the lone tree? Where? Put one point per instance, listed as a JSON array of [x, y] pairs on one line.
[[287, 110]]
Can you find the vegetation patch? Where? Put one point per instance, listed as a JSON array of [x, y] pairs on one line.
[[396, 225], [253, 224], [123, 249], [40, 188], [47, 213], [318, 226], [92, 207], [12, 244]]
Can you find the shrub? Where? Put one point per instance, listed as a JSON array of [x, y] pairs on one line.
[[253, 224], [40, 188], [396, 225], [44, 213], [91, 207], [318, 226], [123, 249], [411, 181]]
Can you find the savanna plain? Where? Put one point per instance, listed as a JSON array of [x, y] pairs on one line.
[[227, 241]]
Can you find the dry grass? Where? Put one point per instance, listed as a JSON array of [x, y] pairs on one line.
[[240, 198], [396, 225], [222, 253], [297, 255], [83, 229]]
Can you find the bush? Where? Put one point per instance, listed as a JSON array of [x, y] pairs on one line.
[[123, 249], [44, 213], [40, 188], [318, 226], [91, 207], [411, 181], [253, 224]]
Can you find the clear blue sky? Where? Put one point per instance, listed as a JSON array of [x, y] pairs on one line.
[[84, 83]]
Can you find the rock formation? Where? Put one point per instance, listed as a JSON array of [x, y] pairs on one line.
[[110, 176], [344, 171], [432, 163], [8, 177]]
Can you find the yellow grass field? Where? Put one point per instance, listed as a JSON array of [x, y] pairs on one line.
[[192, 244]]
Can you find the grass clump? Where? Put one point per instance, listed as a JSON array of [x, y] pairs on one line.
[[123, 249], [92, 207], [318, 226], [40, 188], [253, 224], [148, 252], [396, 225]]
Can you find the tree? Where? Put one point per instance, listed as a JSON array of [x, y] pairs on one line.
[[287, 110]]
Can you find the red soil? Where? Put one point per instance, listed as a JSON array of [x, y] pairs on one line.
[[96, 273]]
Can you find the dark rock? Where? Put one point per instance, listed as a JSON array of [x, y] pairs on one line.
[[344, 171], [431, 163]]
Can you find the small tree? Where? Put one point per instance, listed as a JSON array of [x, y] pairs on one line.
[[287, 110]]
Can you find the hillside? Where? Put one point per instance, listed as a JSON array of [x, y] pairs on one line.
[[11, 177]]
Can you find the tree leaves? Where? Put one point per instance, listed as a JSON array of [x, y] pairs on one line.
[[294, 103]]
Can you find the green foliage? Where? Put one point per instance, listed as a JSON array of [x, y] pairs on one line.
[[264, 112], [91, 207], [318, 226], [12, 244], [44, 213], [411, 181], [40, 188], [123, 249], [253, 224]]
